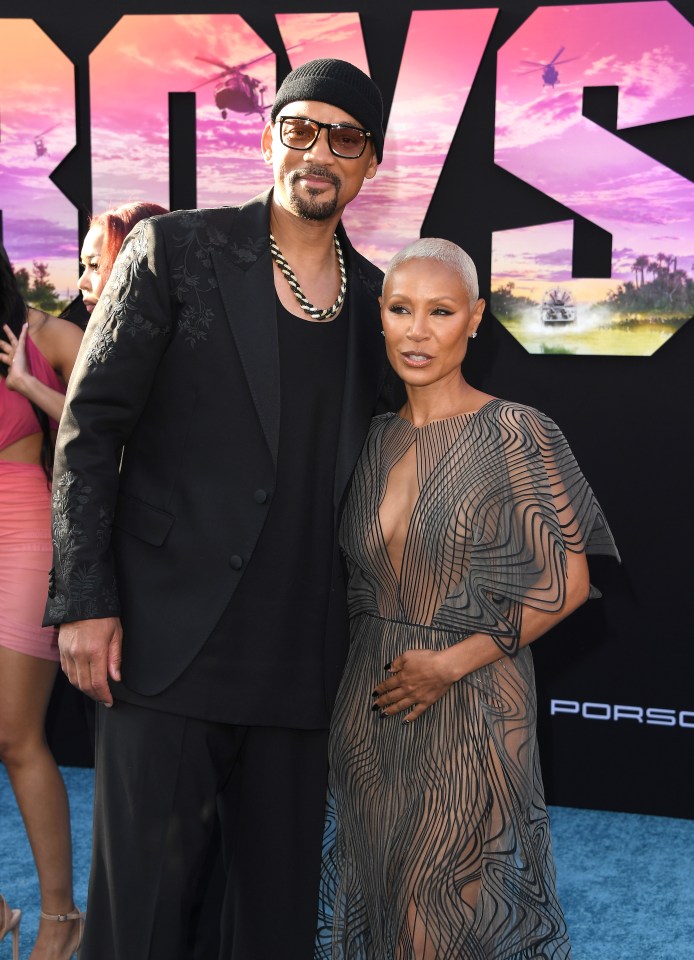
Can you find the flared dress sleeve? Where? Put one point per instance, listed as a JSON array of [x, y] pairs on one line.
[[526, 503]]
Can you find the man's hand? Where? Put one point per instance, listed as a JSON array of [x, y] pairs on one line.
[[90, 652]]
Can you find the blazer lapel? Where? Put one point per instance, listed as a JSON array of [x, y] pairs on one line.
[[244, 274], [364, 373], [246, 285]]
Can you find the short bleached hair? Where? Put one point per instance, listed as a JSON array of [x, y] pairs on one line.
[[435, 248]]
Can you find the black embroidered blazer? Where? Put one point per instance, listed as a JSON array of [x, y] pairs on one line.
[[166, 454]]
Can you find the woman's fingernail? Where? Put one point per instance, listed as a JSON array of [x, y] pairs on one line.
[[387, 666], [375, 707]]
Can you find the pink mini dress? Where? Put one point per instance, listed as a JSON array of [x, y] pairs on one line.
[[25, 525]]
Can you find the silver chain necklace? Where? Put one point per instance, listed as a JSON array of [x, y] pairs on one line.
[[315, 313]]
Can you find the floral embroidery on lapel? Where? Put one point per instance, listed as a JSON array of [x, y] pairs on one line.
[[372, 285], [243, 254], [196, 241]]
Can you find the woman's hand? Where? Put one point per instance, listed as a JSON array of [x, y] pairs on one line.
[[420, 678], [59, 342], [13, 352]]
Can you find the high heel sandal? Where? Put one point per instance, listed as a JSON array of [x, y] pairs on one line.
[[63, 918], [9, 922]]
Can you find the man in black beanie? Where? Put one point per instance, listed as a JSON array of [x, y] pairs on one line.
[[230, 370]]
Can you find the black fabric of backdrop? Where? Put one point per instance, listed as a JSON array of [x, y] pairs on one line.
[[626, 418]]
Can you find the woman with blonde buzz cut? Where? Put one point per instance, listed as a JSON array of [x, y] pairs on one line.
[[465, 532]]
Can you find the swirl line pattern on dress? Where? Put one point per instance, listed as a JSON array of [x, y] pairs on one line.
[[438, 843]]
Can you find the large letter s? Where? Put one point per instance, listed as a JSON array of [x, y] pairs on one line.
[[542, 136]]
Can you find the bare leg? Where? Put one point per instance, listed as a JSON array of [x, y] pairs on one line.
[[25, 688]]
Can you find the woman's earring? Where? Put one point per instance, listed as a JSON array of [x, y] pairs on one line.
[[473, 334], [383, 333]]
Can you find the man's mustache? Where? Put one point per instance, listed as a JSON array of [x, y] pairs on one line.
[[316, 172]]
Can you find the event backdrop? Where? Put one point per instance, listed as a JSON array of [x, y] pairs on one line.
[[555, 144]]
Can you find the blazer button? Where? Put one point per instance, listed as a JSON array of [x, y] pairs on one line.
[[236, 562], [260, 496]]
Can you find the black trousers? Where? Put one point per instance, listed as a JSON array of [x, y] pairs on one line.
[[161, 781]]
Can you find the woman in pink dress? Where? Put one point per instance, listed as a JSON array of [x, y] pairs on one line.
[[37, 354]]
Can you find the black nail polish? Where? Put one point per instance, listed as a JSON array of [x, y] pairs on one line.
[[375, 707], [388, 666], [375, 693], [382, 715]]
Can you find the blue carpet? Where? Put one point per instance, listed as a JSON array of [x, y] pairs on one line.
[[18, 881], [626, 882]]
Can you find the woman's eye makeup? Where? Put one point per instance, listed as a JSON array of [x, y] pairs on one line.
[[435, 311]]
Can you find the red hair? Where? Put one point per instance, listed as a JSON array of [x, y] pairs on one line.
[[117, 224]]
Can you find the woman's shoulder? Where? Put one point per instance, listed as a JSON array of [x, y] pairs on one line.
[[55, 338], [522, 414], [382, 421], [515, 423], [46, 326]]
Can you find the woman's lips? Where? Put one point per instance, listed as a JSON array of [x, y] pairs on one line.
[[416, 359]]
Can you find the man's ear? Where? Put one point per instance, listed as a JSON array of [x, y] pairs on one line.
[[373, 164], [266, 142]]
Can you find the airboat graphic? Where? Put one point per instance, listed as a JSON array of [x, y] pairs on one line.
[[558, 308]]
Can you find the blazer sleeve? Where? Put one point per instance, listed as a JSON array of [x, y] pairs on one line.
[[124, 342]]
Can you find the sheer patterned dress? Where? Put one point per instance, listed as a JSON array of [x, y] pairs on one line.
[[439, 846]]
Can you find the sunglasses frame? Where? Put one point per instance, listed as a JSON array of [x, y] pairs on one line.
[[329, 127]]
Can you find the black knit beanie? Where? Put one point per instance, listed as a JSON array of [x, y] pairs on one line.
[[340, 84]]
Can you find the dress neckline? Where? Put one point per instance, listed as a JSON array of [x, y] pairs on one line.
[[455, 416]]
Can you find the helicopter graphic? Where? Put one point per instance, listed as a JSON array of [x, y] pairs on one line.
[[550, 74], [237, 91], [40, 143]]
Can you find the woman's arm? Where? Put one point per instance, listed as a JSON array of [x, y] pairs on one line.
[[59, 341], [421, 677]]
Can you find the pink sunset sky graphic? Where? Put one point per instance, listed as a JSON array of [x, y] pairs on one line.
[[144, 58], [37, 131], [647, 49], [542, 137]]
